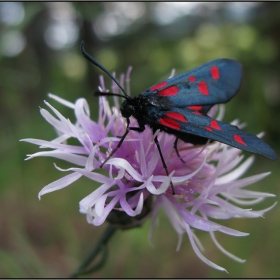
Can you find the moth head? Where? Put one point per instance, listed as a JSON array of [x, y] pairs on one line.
[[127, 109]]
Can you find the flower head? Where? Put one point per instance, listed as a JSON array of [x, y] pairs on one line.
[[207, 183]]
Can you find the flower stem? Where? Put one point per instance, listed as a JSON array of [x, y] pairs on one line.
[[100, 245]]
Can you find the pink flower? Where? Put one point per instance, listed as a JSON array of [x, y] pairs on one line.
[[207, 185]]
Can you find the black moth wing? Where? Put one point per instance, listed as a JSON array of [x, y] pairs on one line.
[[211, 83], [181, 122]]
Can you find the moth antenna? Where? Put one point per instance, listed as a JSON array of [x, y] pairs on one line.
[[96, 63], [101, 93]]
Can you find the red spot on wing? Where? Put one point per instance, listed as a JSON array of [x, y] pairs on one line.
[[239, 139], [208, 128], [158, 86], [169, 91], [202, 86], [169, 123], [197, 113], [215, 72], [195, 107], [214, 124], [192, 79], [176, 116]]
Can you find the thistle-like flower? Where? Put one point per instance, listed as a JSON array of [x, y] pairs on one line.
[[207, 183]]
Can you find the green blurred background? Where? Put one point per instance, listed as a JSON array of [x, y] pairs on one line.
[[39, 53]]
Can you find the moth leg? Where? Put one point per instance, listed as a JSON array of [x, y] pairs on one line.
[[177, 152], [164, 164], [119, 144], [139, 129]]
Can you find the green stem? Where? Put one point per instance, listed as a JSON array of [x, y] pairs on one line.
[[101, 244]]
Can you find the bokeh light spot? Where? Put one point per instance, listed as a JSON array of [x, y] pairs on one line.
[[108, 58], [12, 43], [74, 66], [208, 36], [11, 13], [244, 37], [59, 35]]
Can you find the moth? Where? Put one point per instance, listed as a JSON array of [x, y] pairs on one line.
[[179, 106]]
